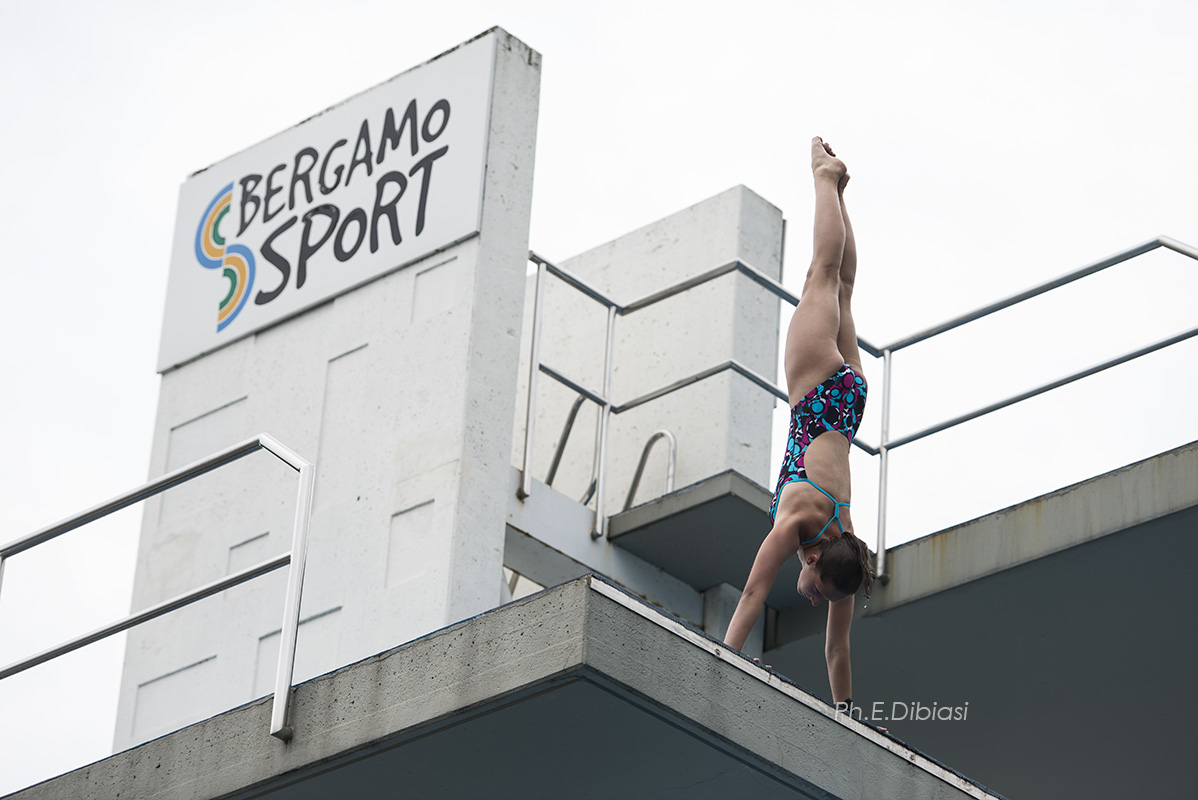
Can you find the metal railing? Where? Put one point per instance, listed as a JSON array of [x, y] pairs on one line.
[[889, 350], [885, 353], [603, 398], [280, 725]]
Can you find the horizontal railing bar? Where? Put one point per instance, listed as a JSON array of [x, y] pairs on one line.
[[1179, 247], [678, 288], [574, 281], [1152, 348], [748, 271], [1055, 283], [874, 350], [869, 448], [132, 496], [760, 381], [282, 452], [772, 285], [777, 289], [765, 281], [869, 347], [676, 385], [733, 365], [736, 265], [165, 607], [562, 379], [732, 266]]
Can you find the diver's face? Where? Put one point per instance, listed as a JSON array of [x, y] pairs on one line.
[[813, 586]]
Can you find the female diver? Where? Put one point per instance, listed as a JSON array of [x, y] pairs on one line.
[[827, 391]]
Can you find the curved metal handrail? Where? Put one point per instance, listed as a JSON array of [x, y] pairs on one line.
[[640, 467]]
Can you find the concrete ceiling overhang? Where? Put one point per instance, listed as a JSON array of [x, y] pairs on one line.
[[581, 690]]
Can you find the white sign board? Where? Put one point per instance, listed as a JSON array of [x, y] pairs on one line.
[[370, 185]]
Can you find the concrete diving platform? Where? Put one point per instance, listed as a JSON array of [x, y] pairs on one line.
[[582, 690]]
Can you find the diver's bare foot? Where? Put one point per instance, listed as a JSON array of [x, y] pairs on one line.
[[825, 163]]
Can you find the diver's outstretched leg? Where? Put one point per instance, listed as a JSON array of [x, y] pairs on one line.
[[846, 338], [812, 352]]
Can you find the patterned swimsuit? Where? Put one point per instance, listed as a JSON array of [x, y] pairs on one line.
[[835, 405]]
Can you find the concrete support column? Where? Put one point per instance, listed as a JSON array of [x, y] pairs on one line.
[[497, 304]]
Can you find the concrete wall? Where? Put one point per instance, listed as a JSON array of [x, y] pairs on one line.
[[390, 389], [721, 423]]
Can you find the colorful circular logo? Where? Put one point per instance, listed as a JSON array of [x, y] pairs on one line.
[[236, 260]]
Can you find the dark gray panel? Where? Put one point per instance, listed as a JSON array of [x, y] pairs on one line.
[[575, 739], [1078, 668]]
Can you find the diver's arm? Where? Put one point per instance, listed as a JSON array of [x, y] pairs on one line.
[[778, 546], [836, 649]]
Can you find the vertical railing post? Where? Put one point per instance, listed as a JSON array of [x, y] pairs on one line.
[[534, 369], [883, 466], [280, 722], [600, 529]]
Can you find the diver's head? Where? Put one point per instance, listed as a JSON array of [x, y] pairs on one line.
[[834, 568]]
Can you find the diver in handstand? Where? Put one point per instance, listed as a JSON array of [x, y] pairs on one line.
[[827, 391]]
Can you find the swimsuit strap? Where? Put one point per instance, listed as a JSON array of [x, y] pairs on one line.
[[835, 513]]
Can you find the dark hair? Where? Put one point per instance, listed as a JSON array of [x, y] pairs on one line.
[[844, 561]]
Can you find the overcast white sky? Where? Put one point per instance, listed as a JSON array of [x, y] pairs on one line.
[[992, 146]]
